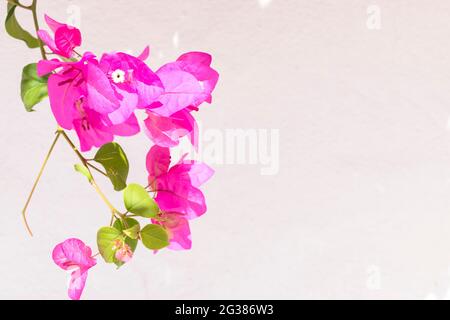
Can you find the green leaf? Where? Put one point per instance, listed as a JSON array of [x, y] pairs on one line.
[[106, 238], [33, 89], [15, 30], [132, 232], [138, 201], [84, 171], [112, 157], [130, 224], [154, 237]]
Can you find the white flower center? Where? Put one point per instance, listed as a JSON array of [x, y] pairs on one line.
[[118, 76]]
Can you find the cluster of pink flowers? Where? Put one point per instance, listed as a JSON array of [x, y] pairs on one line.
[[98, 99]]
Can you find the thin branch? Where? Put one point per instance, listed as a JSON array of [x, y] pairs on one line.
[[17, 3], [114, 211], [33, 9], [41, 171], [95, 168]]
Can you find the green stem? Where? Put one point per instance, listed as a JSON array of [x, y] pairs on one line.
[[41, 171], [95, 168], [33, 8], [17, 3], [114, 211]]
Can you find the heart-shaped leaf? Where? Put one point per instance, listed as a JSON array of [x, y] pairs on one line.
[[106, 238], [112, 157], [154, 237], [33, 89], [138, 201]]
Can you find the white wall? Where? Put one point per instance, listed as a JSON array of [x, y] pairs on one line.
[[360, 207]]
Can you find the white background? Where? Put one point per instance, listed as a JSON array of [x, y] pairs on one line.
[[361, 205]]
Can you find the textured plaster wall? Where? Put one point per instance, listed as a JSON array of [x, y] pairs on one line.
[[360, 207]]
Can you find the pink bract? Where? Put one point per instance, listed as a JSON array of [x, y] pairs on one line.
[[133, 80], [167, 131], [188, 82], [177, 226], [66, 38], [82, 97], [123, 252], [178, 187], [74, 255]]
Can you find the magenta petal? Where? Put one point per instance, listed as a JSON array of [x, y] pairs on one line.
[[198, 64], [188, 82], [63, 96], [182, 89], [76, 284], [145, 54], [73, 252], [167, 131], [44, 67], [178, 229], [101, 96], [193, 135], [196, 172], [48, 40], [128, 128], [126, 108], [139, 78], [181, 198], [92, 130], [147, 83], [67, 39], [53, 24], [157, 162], [196, 58]]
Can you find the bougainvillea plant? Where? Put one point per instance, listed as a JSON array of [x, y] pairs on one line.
[[98, 98]]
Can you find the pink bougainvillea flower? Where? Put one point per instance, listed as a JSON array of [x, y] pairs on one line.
[[188, 82], [167, 131], [178, 187], [123, 251], [82, 98], [75, 256], [135, 83], [74, 81], [177, 226], [66, 38], [94, 129]]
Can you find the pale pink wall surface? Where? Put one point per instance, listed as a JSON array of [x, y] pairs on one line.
[[360, 207]]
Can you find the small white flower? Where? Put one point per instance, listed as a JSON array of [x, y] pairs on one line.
[[118, 76]]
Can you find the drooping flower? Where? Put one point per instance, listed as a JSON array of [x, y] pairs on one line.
[[66, 38], [188, 82], [73, 255], [178, 187], [177, 226]]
